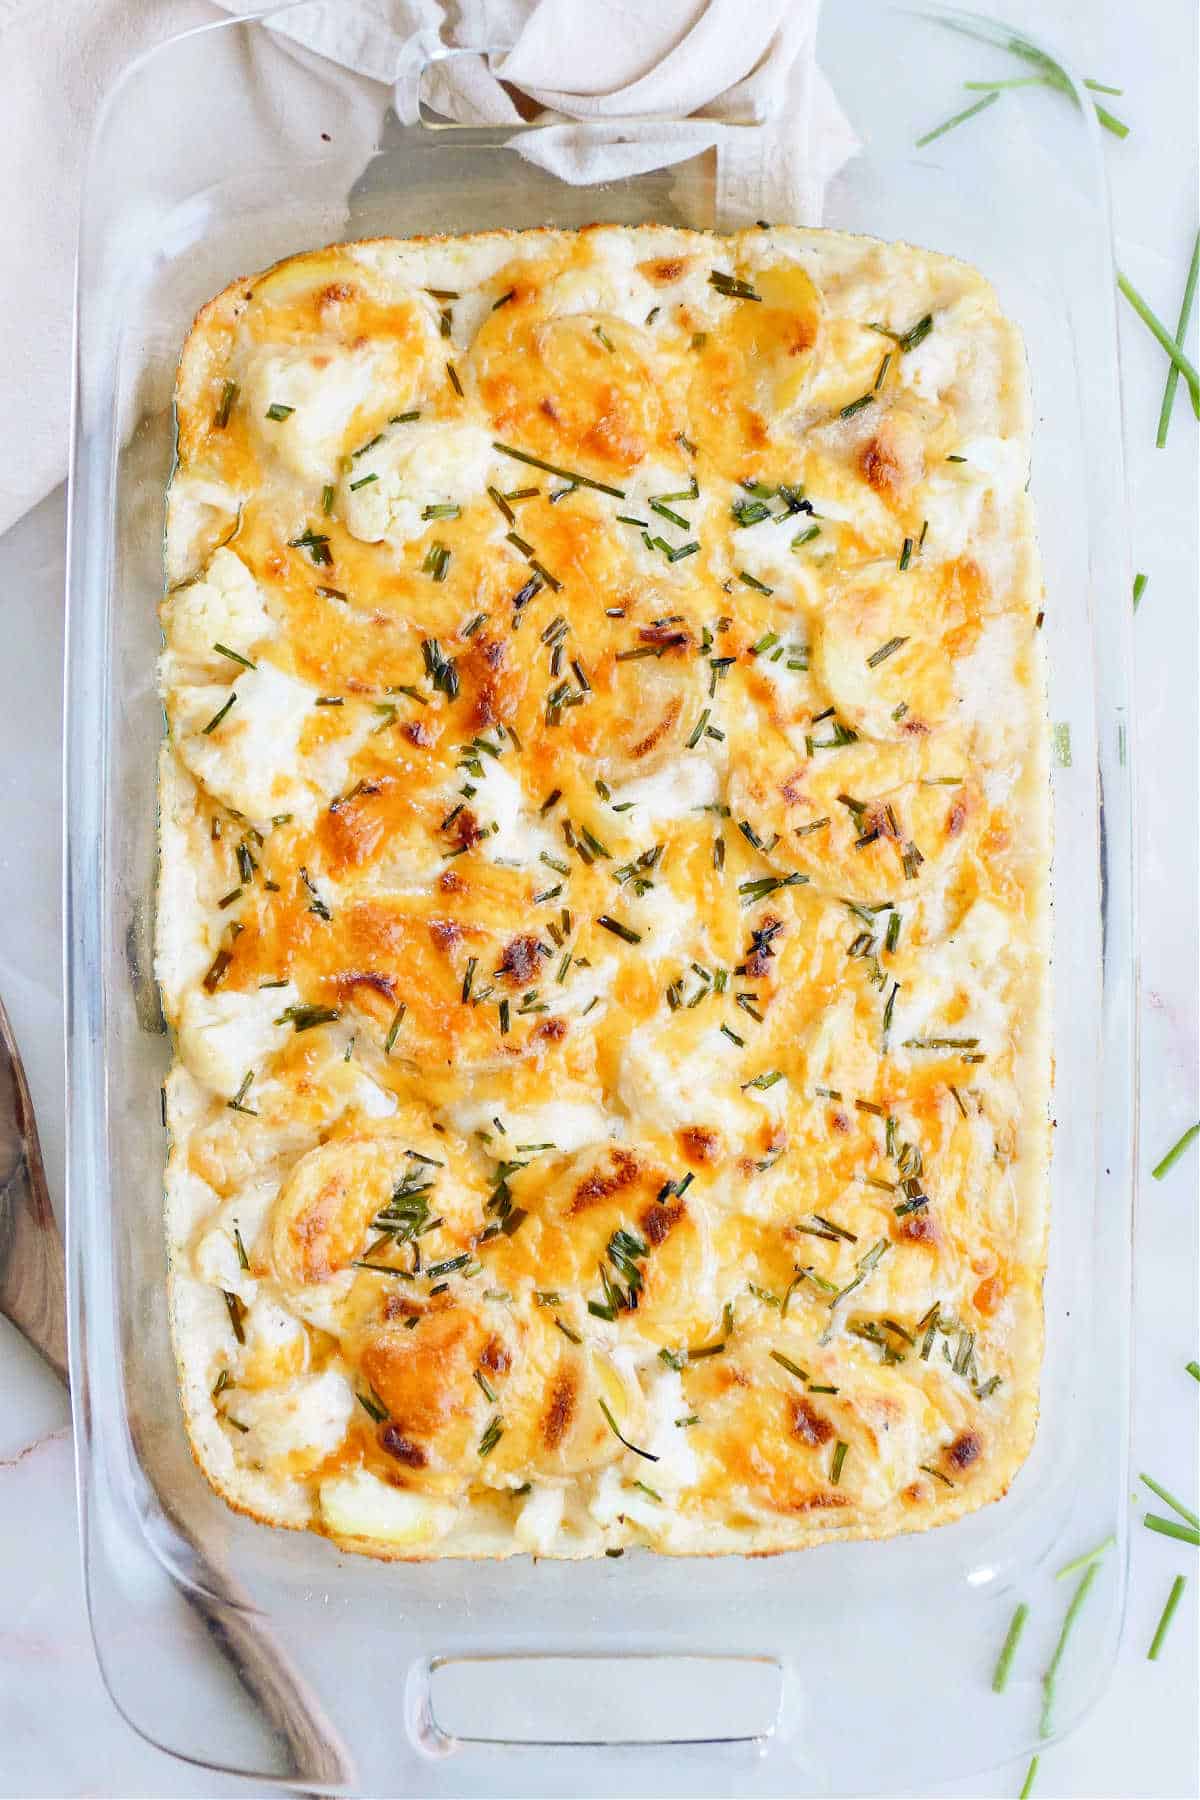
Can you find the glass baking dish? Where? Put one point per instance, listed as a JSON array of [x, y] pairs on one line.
[[847, 1669]]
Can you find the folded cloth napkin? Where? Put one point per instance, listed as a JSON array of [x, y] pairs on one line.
[[621, 86]]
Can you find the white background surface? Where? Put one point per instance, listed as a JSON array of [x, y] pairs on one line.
[[59, 1733]]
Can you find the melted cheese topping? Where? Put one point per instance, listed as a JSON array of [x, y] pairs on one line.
[[603, 898]]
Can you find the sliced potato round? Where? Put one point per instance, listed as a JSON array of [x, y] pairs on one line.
[[576, 389], [866, 821], [753, 367], [325, 1213]]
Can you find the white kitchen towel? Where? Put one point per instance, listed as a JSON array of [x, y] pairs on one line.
[[622, 86]]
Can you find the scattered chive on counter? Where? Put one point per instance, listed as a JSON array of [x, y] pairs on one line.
[[1185, 319], [1176, 1151], [1140, 580], [1168, 1613], [1050, 74], [1158, 330], [1009, 1648], [1175, 1505], [1030, 1777], [1082, 1562], [959, 118], [1187, 1534], [1050, 1678]]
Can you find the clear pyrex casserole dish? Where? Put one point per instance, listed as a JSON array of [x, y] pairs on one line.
[[850, 1668]]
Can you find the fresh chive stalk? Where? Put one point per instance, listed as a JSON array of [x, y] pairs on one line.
[[1184, 1512], [1187, 1534], [1185, 318], [1009, 1649], [959, 118], [1050, 1678], [1081, 1562], [618, 1433], [1175, 1152], [1168, 1613], [1158, 330]]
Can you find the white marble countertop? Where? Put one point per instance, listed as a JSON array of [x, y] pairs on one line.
[[59, 1733]]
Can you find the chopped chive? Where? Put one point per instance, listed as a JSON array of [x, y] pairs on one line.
[[916, 334], [958, 118], [1049, 1679], [237, 1314], [856, 406], [305, 1018], [1187, 1534], [229, 394], [218, 716], [698, 729], [1175, 1152], [617, 1433], [1140, 580], [237, 1104], [234, 656], [1168, 1613], [731, 287], [437, 561], [785, 1362], [1030, 1778], [888, 649], [452, 378], [619, 930], [905, 554], [373, 1407], [839, 1457], [1184, 1512], [1061, 740], [1158, 330], [363, 481], [1185, 314], [1009, 1650], [536, 462], [765, 1081], [278, 412], [393, 1029], [491, 1436], [668, 513], [1016, 81], [316, 545], [328, 493]]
